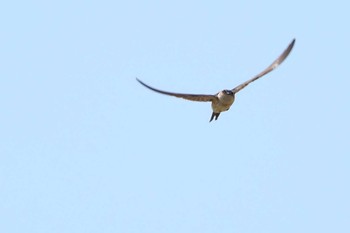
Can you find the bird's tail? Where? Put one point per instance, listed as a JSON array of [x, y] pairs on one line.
[[215, 114]]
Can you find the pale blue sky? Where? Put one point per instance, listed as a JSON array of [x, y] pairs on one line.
[[85, 148]]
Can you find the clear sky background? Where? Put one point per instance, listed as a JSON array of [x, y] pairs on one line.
[[85, 148]]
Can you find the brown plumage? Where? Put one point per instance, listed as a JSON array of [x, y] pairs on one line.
[[223, 100]]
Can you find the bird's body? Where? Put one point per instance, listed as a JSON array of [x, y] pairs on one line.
[[223, 100]]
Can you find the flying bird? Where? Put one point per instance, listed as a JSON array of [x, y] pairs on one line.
[[222, 101]]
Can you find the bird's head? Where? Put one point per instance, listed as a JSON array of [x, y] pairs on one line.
[[227, 92]]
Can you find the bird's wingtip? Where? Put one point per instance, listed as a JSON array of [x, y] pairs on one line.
[[293, 42], [139, 81]]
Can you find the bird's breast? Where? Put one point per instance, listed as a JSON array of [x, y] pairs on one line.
[[224, 102], [226, 99]]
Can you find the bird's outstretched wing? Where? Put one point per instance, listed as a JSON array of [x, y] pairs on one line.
[[203, 98], [274, 65]]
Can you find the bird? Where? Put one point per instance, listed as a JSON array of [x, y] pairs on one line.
[[222, 101]]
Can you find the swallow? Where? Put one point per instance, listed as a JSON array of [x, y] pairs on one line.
[[222, 101]]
